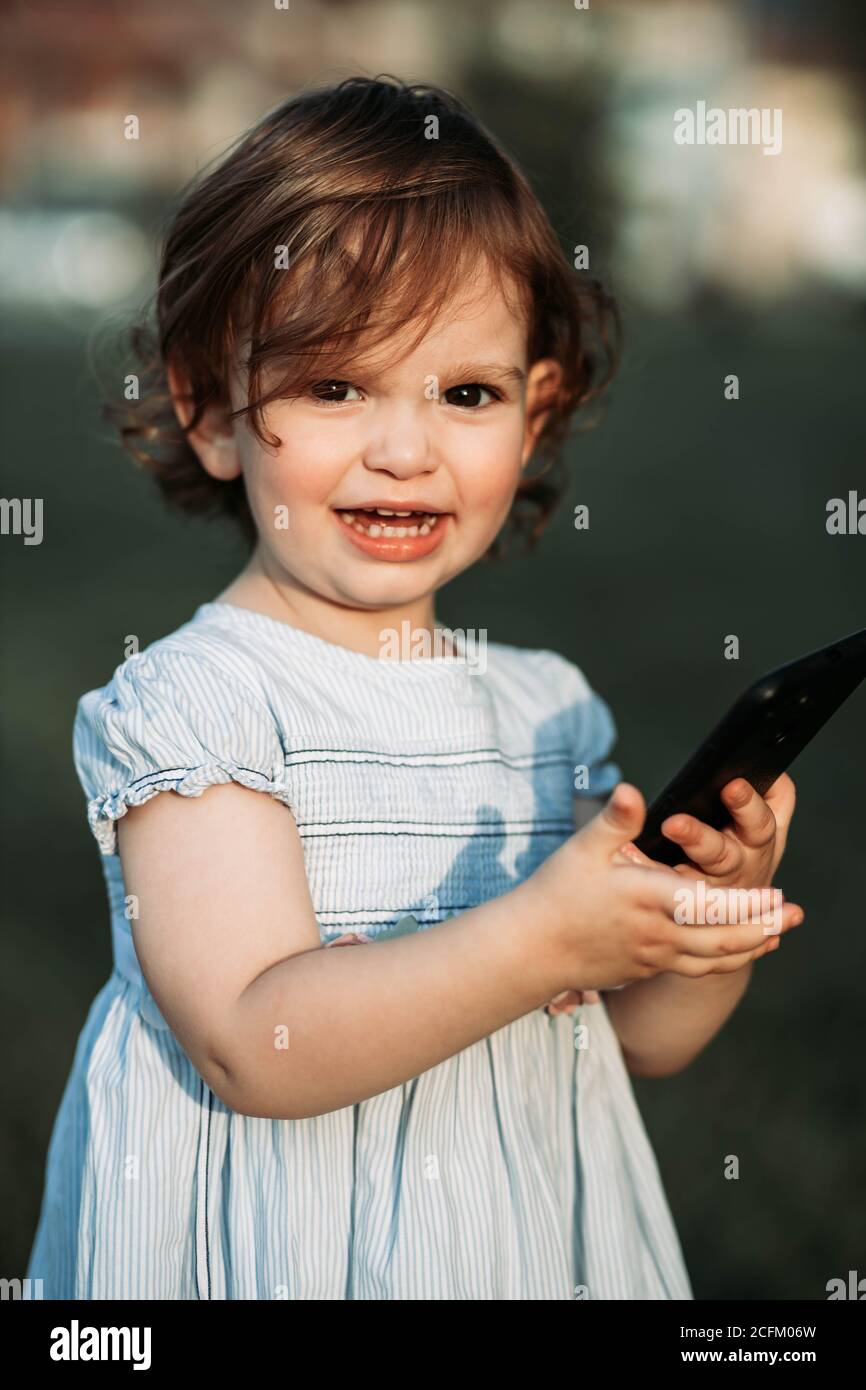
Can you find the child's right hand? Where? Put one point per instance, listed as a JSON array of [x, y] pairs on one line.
[[611, 922]]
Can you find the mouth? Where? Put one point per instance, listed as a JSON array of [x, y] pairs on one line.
[[389, 534]]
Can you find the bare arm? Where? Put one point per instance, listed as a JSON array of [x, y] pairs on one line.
[[278, 1026], [664, 1022]]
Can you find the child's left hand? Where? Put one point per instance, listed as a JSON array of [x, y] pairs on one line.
[[745, 854]]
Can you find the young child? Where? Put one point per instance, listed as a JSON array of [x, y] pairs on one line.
[[367, 330]]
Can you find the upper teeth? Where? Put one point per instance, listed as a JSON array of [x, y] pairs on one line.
[[374, 530]]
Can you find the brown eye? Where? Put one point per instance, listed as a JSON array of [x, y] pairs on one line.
[[334, 392], [469, 395]]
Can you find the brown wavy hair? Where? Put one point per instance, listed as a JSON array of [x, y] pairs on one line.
[[360, 164]]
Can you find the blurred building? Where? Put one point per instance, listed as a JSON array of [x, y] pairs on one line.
[[585, 96]]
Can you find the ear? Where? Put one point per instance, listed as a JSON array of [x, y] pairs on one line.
[[542, 392], [213, 439]]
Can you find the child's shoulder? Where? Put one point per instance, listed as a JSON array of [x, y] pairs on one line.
[[196, 664], [540, 672], [185, 712]]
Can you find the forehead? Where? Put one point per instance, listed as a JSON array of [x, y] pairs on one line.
[[482, 318]]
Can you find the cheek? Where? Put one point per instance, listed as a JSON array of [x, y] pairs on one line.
[[304, 468], [490, 465]]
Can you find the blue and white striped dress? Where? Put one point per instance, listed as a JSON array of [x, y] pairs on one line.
[[517, 1169]]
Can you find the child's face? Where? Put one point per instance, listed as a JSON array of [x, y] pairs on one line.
[[444, 427]]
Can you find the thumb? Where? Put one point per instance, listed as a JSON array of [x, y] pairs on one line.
[[619, 821]]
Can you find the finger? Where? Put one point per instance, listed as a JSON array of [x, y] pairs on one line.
[[792, 916], [715, 853], [663, 890], [752, 816], [632, 855], [716, 942], [696, 969], [620, 820], [782, 798], [740, 940], [564, 1002], [667, 899]]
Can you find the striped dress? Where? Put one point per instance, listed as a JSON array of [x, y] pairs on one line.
[[517, 1169]]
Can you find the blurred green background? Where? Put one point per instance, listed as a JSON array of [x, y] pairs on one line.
[[707, 516]]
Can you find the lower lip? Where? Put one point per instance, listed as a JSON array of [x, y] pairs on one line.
[[395, 548]]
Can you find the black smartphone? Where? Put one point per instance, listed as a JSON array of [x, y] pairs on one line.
[[758, 739]]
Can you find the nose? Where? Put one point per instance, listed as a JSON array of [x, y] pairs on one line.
[[398, 441]]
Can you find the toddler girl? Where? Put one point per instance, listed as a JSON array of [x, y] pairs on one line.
[[367, 330]]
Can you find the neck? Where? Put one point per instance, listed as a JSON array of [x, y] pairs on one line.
[[360, 629]]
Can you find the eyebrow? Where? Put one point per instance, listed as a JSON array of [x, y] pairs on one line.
[[477, 371], [461, 372]]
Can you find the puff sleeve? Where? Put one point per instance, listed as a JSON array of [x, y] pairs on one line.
[[171, 721], [591, 730]]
